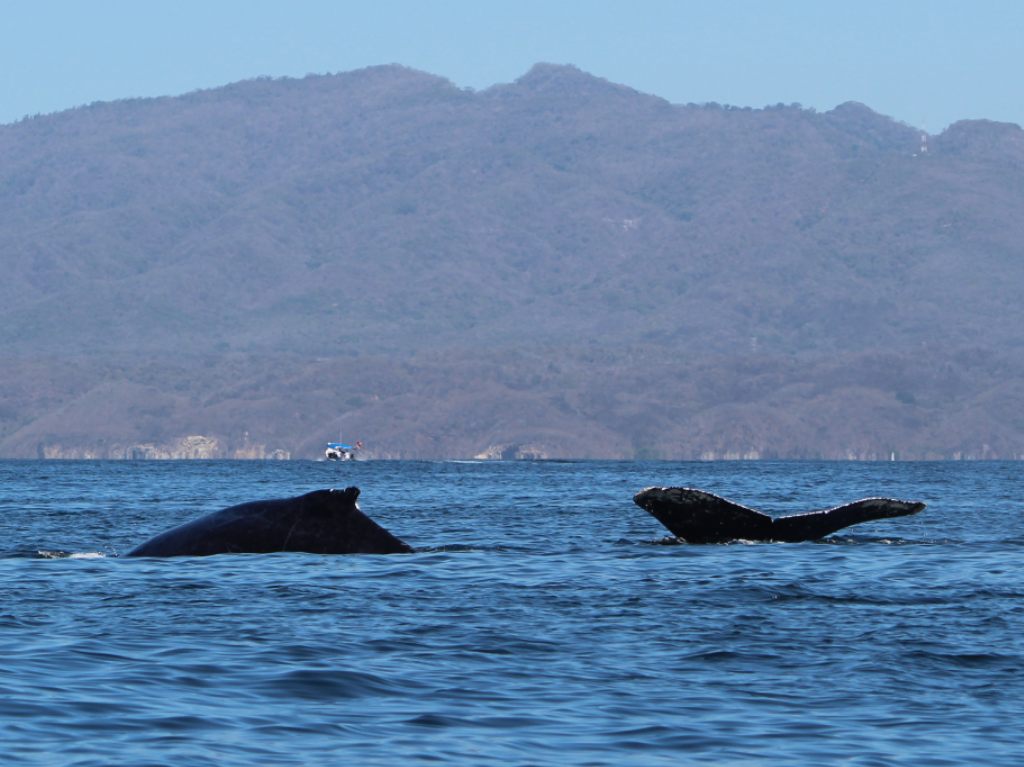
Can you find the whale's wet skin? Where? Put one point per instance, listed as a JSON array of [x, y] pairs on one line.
[[320, 522], [537, 622], [697, 516]]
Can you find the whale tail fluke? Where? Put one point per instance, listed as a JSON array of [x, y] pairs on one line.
[[818, 524], [697, 516]]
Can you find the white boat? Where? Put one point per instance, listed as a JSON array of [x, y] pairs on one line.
[[341, 451]]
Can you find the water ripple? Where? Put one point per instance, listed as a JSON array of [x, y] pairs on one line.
[[536, 626]]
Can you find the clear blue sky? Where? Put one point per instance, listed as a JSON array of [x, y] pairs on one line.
[[927, 63]]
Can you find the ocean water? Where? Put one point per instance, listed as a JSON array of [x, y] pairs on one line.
[[542, 621]]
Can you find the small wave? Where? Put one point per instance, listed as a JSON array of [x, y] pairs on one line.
[[832, 540], [20, 554], [668, 540], [50, 554], [45, 554], [330, 684], [855, 540], [713, 656], [976, 661], [437, 720], [455, 548]]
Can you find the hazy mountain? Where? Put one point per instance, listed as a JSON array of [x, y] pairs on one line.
[[560, 266]]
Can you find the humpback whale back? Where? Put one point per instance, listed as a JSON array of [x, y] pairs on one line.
[[697, 516], [321, 522]]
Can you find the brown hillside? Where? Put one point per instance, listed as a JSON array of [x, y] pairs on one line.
[[560, 266]]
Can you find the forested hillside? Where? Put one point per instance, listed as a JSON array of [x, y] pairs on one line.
[[557, 267]]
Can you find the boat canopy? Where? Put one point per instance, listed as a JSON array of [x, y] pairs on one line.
[[340, 446]]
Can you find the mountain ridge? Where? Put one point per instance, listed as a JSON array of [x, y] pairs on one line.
[[388, 221]]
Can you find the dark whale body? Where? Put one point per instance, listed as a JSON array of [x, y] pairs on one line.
[[697, 516], [321, 522]]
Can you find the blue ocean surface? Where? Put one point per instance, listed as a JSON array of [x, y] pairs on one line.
[[542, 621]]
